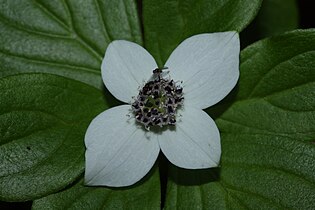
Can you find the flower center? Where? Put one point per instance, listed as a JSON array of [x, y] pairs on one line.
[[157, 101]]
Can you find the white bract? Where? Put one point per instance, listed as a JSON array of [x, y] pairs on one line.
[[120, 151]]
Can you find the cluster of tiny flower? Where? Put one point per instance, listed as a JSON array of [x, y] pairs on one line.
[[157, 101]]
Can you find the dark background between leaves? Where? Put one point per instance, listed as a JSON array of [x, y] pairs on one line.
[[307, 20]]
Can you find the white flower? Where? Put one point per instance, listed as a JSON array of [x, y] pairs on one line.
[[119, 150]]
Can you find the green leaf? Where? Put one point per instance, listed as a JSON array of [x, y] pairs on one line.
[[268, 149], [144, 195], [274, 17], [167, 23], [277, 64], [43, 119], [66, 38]]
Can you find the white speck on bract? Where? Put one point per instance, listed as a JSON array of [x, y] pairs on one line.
[[119, 151]]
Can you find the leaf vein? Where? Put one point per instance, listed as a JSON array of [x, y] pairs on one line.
[[97, 54], [284, 134], [104, 26], [52, 63], [30, 31], [229, 195], [269, 71], [52, 15], [234, 188], [28, 134], [263, 168]]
